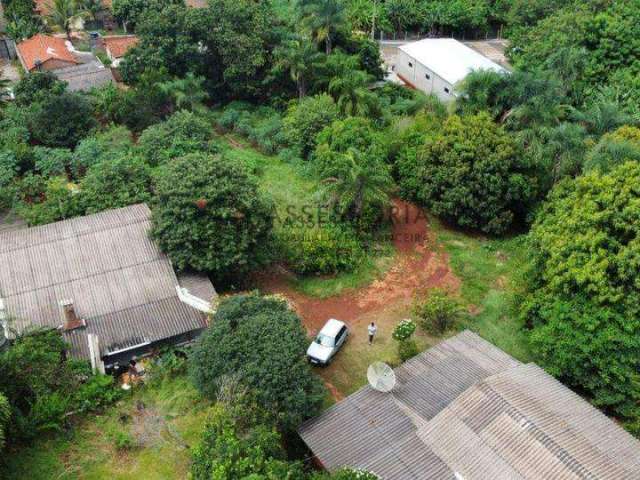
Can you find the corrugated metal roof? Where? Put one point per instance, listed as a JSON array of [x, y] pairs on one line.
[[84, 77], [118, 279], [465, 407], [448, 58]]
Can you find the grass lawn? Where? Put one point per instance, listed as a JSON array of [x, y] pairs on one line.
[[488, 269], [162, 431]]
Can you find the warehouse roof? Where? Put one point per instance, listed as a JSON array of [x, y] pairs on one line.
[[118, 280], [448, 58], [466, 410]]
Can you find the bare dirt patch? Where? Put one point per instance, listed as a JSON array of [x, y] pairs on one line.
[[420, 265]]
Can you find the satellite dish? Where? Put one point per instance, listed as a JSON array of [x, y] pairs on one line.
[[381, 377]]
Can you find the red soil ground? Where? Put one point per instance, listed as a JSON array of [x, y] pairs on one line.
[[420, 265]]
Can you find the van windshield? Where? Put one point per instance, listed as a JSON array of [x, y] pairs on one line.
[[324, 340]]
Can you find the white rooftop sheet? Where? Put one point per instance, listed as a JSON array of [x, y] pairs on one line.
[[448, 58]]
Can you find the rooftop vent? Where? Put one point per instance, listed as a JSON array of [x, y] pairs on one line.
[[70, 320]]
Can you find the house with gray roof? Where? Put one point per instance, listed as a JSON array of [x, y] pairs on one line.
[[465, 410], [103, 283], [84, 77]]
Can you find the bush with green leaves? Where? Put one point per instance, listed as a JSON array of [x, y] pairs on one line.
[[61, 120], [50, 162], [470, 172], [233, 451], [122, 439], [306, 119], [122, 181], [56, 199], [5, 415], [407, 349], [37, 86], [403, 330], [262, 125], [353, 474], [8, 174], [182, 133], [263, 341], [113, 142], [326, 248], [438, 312], [583, 300], [42, 385], [209, 215]]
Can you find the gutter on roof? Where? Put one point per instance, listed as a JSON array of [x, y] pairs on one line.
[[133, 347]]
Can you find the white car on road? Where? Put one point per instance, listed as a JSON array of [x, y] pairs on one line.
[[329, 340]]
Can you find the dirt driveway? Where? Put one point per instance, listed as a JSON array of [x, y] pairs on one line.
[[420, 265]]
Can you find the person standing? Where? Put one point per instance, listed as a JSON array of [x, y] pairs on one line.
[[372, 332]]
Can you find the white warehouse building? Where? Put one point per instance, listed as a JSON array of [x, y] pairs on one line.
[[436, 65]]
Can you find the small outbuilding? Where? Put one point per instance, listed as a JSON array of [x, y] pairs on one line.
[[116, 46], [84, 77], [436, 65], [44, 52]]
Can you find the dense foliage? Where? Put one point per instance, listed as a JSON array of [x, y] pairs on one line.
[[208, 214], [583, 299], [41, 385], [261, 340], [469, 172], [438, 312]]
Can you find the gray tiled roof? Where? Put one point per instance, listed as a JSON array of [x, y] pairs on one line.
[[464, 409], [85, 76], [118, 279]]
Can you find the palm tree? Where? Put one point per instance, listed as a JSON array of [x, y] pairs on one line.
[[603, 116], [324, 18], [298, 55], [64, 13], [188, 93], [352, 94], [93, 9], [354, 182]]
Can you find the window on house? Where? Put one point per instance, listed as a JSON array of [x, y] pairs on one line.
[[427, 76], [446, 90], [410, 65]]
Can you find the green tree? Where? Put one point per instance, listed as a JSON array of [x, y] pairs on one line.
[[470, 172], [228, 451], [36, 87], [5, 415], [188, 93], [582, 303], [297, 56], [351, 161], [324, 19], [263, 341], [182, 133], [209, 215], [352, 94], [61, 120], [305, 119], [64, 13], [125, 180]]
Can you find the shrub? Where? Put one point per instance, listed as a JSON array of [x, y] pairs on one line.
[[50, 162], [407, 349], [5, 415], [209, 215], [59, 200], [36, 87], [229, 451], [111, 143], [96, 393], [438, 312], [305, 119], [182, 133], [321, 249], [125, 180], [263, 341], [122, 440], [583, 302], [471, 173], [403, 330], [8, 173], [353, 474]]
